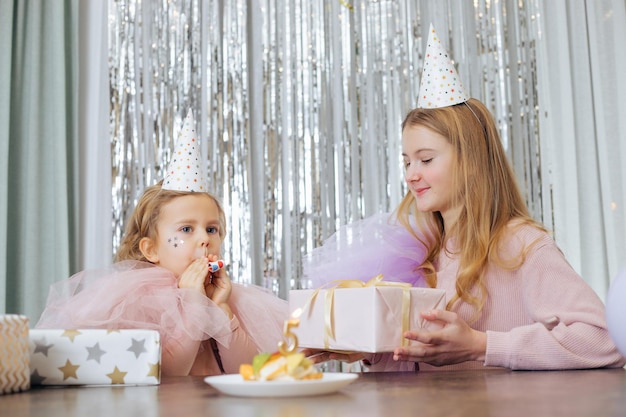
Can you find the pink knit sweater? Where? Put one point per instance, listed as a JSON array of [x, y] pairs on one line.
[[540, 316]]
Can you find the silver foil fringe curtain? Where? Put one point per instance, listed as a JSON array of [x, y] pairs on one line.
[[299, 104]]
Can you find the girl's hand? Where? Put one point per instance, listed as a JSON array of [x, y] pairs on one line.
[[217, 285], [456, 342], [195, 275]]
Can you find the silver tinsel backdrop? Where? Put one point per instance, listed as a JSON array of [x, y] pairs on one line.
[[299, 104]]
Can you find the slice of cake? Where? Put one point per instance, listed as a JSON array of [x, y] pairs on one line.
[[277, 366]]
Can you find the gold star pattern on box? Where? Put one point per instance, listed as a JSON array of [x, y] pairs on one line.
[[69, 370], [117, 376], [95, 357], [70, 334], [155, 370]]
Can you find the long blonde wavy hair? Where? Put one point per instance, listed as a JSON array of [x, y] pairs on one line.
[[487, 193], [144, 218]]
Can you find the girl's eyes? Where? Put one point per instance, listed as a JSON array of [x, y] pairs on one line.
[[210, 230], [423, 161]]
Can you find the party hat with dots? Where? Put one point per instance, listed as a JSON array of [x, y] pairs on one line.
[[440, 85], [184, 172]]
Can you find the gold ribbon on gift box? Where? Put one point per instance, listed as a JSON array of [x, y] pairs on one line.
[[377, 281]]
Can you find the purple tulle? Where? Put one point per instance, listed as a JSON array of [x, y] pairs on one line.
[[364, 249]]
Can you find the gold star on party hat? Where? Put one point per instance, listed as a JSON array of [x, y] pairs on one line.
[[184, 172], [440, 85]]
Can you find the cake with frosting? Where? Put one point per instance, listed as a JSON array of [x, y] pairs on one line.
[[279, 367]]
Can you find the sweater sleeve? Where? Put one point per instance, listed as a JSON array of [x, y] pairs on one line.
[[241, 349], [186, 356], [178, 355], [567, 327], [383, 362]]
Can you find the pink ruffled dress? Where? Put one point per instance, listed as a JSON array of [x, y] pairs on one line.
[[363, 249], [140, 295]]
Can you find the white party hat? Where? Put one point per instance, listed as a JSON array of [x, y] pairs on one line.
[[440, 85], [184, 172]]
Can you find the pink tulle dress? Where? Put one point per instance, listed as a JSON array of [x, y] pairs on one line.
[[363, 249], [140, 295]]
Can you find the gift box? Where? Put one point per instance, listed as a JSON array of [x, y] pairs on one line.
[[14, 357], [369, 319], [95, 357]]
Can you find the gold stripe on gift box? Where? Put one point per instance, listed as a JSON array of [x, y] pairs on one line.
[[14, 354]]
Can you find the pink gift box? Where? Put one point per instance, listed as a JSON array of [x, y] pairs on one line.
[[365, 319]]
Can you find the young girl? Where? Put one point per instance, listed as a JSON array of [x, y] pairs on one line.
[[513, 299], [163, 280]]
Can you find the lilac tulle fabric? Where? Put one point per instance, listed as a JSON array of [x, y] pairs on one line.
[[363, 249], [140, 295]]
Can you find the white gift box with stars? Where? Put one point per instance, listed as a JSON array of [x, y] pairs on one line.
[[95, 357]]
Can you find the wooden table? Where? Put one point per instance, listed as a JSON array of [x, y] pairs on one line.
[[468, 393]]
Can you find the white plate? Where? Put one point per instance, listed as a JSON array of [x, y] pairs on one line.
[[234, 384]]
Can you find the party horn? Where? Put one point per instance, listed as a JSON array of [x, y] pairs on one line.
[[216, 266]]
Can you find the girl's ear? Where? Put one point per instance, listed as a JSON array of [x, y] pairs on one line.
[[148, 249]]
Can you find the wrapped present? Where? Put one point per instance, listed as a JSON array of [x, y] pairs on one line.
[[364, 317], [14, 357], [95, 357]]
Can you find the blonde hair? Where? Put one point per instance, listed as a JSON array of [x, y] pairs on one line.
[[487, 193], [144, 218]]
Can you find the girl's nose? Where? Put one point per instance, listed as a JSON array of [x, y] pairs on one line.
[[412, 173], [205, 245]]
